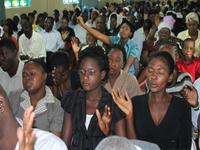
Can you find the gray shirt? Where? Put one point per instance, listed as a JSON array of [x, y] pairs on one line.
[[48, 111]]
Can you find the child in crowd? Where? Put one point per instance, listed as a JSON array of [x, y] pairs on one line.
[[189, 63]]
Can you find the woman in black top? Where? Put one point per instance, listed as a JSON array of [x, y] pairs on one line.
[[157, 116], [93, 69]]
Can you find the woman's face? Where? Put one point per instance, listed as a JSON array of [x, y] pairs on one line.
[[64, 23], [34, 77], [90, 74], [158, 75], [91, 40], [125, 31], [113, 22], [61, 74], [192, 26], [116, 62], [164, 34]]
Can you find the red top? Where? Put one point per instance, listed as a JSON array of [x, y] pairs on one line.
[[192, 68]]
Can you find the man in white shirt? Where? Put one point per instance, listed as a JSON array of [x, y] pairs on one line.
[[31, 43], [10, 67], [52, 37]]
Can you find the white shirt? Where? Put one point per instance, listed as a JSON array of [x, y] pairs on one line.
[[80, 33], [195, 114], [139, 37], [46, 141], [53, 40], [12, 84], [87, 121], [33, 47]]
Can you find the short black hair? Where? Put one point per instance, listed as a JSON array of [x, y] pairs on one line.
[[121, 48], [40, 62], [167, 59], [98, 54], [51, 19], [8, 43], [131, 26], [60, 58]]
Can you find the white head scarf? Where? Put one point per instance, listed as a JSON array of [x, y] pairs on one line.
[[119, 19], [192, 16]]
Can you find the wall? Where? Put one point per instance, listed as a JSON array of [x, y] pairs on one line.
[[40, 6], [2, 11]]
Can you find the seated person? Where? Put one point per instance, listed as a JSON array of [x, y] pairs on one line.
[[158, 116], [189, 63], [88, 110], [118, 79], [43, 139], [122, 143], [49, 114], [62, 79], [10, 67]]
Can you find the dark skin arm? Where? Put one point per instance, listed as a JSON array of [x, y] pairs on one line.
[[57, 133], [102, 37], [67, 129], [125, 104]]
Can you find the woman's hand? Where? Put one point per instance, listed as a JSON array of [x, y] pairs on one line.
[[75, 45], [80, 21], [123, 102], [26, 135], [105, 120], [191, 95]]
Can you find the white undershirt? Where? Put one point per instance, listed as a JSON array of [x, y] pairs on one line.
[[87, 121]]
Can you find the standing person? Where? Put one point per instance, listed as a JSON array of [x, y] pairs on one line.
[[88, 110], [126, 32], [157, 116]]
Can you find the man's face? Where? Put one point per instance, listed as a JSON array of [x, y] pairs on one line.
[[7, 58]]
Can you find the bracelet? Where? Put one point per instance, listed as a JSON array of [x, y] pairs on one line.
[[197, 107]]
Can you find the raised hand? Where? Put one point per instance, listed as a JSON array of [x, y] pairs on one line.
[[104, 120], [75, 45], [191, 95], [123, 102], [26, 135], [80, 21]]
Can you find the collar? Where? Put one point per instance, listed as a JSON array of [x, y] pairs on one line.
[[187, 34], [41, 105], [19, 69]]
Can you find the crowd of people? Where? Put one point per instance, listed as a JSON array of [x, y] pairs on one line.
[[124, 76]]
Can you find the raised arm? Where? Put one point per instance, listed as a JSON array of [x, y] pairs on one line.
[[100, 36], [125, 104]]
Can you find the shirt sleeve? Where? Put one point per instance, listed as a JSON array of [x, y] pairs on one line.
[[134, 50], [66, 102], [58, 115], [114, 39], [195, 114]]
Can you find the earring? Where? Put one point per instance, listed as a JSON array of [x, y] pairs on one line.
[[2, 107]]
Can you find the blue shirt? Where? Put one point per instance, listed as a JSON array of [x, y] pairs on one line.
[[131, 49]]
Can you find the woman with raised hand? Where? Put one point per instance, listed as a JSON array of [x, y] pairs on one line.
[[158, 116], [126, 32], [88, 110]]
